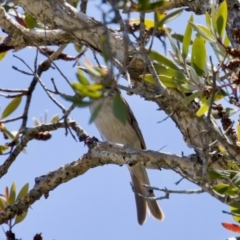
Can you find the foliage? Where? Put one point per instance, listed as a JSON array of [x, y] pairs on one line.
[[190, 71]]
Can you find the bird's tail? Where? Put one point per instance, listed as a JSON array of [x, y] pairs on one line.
[[139, 177]]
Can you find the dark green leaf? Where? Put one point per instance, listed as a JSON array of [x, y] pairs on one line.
[[145, 5], [236, 205], [76, 100], [163, 60], [218, 174], [221, 188], [11, 107], [221, 18], [119, 109], [178, 37]]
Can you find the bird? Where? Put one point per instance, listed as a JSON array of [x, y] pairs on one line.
[[112, 129]]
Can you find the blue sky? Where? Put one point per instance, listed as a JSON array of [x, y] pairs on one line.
[[100, 204]]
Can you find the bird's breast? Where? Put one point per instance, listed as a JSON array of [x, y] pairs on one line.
[[110, 127]]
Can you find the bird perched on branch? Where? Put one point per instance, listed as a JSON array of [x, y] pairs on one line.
[[128, 133]]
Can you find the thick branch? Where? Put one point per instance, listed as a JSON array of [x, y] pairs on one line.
[[101, 154], [198, 132]]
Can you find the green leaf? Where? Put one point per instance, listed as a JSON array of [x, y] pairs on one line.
[[3, 203], [226, 189], [169, 17], [203, 109], [169, 72], [88, 91], [3, 148], [119, 109], [148, 23], [11, 107], [188, 88], [2, 55], [208, 20], [94, 71], [193, 75], [148, 78], [163, 60], [178, 37], [8, 133], [81, 78], [236, 180], [204, 32], [232, 191], [12, 194], [145, 5], [213, 15], [221, 18], [206, 102], [198, 57], [218, 174], [175, 47], [78, 47], [166, 81], [190, 98], [220, 54], [74, 3], [23, 192], [230, 111], [221, 188], [20, 218], [95, 113], [30, 21], [142, 4], [235, 208], [235, 205], [232, 165], [187, 38], [226, 40]]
